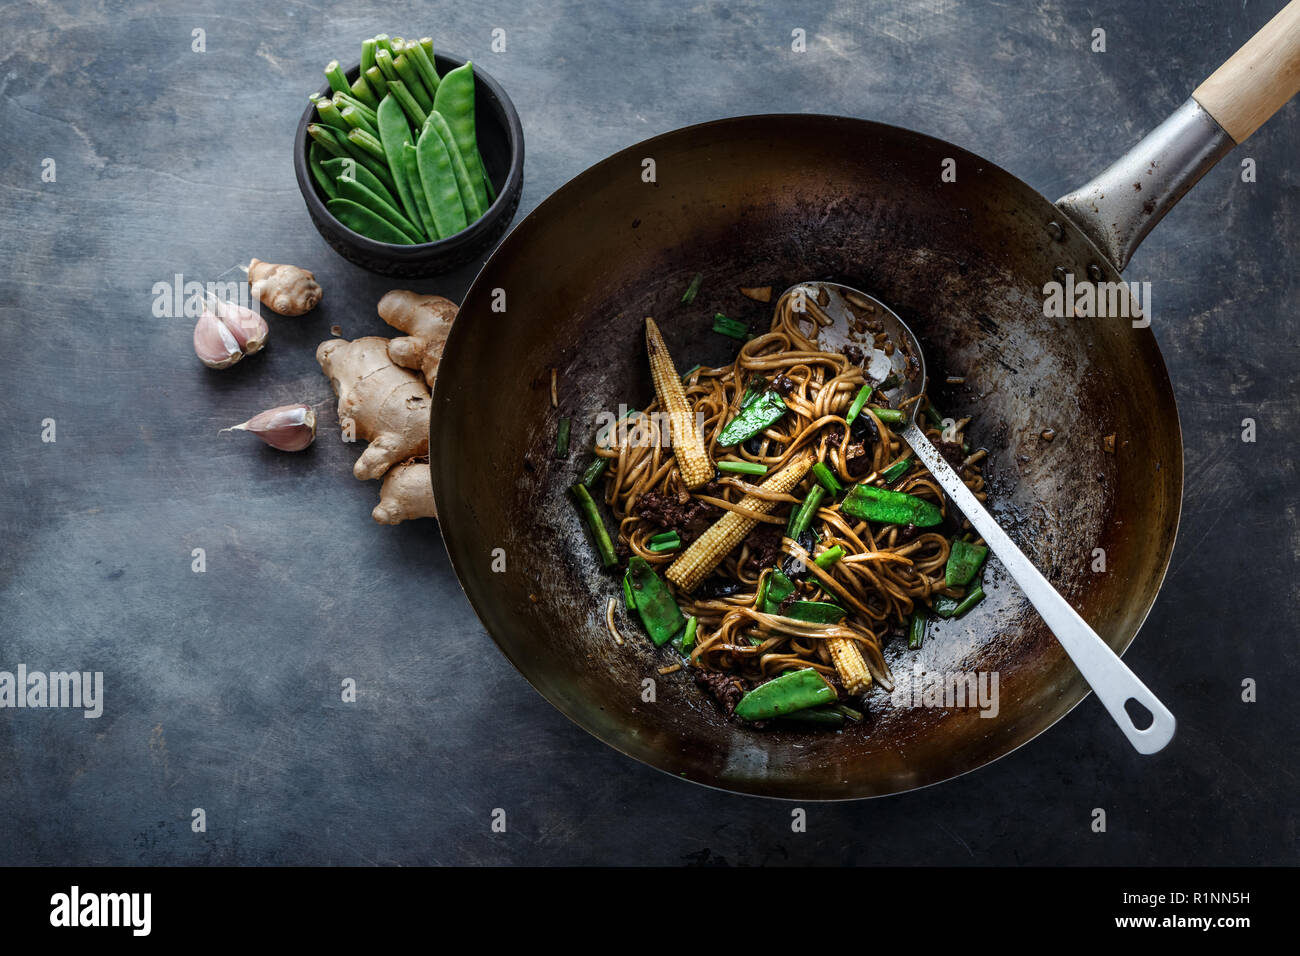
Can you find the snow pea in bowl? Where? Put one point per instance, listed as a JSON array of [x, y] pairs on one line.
[[354, 174]]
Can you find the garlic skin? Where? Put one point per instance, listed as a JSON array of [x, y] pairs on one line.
[[286, 427], [214, 343], [249, 329]]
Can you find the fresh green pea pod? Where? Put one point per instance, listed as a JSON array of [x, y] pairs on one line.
[[467, 195], [340, 145], [439, 182], [815, 612], [819, 716], [394, 133], [316, 160], [455, 101], [411, 170], [869, 503], [792, 691], [347, 167], [361, 220], [351, 189]]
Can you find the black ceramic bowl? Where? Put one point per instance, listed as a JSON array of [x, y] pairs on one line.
[[501, 144]]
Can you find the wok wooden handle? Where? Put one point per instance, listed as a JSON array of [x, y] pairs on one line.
[[1258, 79]]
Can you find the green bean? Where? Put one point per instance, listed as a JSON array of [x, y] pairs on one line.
[[411, 77], [343, 99], [468, 199], [367, 142], [487, 182], [328, 113], [367, 54], [455, 101], [316, 163], [427, 44], [411, 170], [382, 42], [349, 188], [394, 133], [384, 60], [604, 545], [423, 60], [439, 180], [361, 220], [338, 81], [349, 168], [409, 106], [377, 83], [362, 91], [861, 399], [357, 120], [338, 144]]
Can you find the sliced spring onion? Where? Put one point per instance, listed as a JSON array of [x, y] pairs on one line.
[[667, 541], [587, 507], [826, 478], [861, 399], [686, 376], [869, 503], [828, 557], [743, 467], [730, 327], [952, 607], [562, 439], [693, 289], [629, 599], [934, 416], [602, 436], [916, 630], [802, 516], [686, 640], [594, 471]]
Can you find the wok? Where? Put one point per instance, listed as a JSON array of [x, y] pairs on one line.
[[771, 200]]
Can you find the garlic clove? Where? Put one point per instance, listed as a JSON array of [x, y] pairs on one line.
[[286, 427], [214, 343], [249, 329]]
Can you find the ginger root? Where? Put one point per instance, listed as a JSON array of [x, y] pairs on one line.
[[407, 493], [386, 405], [287, 290], [426, 320]]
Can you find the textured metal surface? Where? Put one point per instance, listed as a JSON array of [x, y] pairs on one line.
[[767, 200], [222, 689], [1118, 207]]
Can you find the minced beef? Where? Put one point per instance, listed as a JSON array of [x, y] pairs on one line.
[[853, 353], [764, 547], [951, 450], [724, 688], [688, 516]]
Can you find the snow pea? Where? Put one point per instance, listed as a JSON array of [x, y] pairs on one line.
[[868, 503], [815, 612], [316, 160], [439, 122], [762, 411], [439, 181], [454, 99], [897, 470], [776, 588], [964, 562], [792, 691], [347, 168], [394, 133], [349, 188], [659, 612], [360, 219], [411, 170], [818, 716]]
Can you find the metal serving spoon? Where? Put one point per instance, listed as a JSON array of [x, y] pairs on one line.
[[1114, 684]]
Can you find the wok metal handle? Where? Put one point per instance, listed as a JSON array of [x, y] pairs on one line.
[[1108, 676], [1119, 207]]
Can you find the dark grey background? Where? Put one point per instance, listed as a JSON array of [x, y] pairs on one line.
[[222, 688]]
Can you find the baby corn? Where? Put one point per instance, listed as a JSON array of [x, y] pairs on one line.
[[707, 551], [688, 443], [848, 661]]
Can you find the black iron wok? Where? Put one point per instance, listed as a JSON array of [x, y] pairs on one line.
[[771, 200]]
